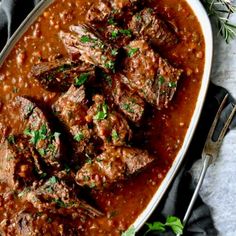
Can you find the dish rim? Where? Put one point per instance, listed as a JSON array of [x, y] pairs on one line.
[[204, 21], [205, 24]]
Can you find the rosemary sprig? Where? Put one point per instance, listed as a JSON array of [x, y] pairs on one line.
[[220, 11]]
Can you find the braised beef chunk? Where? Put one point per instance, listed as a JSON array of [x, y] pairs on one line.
[[83, 43], [110, 125], [129, 102], [71, 109], [114, 164], [55, 195], [20, 163], [99, 12], [148, 26], [116, 35], [105, 10], [58, 75], [33, 123], [119, 5], [150, 75]]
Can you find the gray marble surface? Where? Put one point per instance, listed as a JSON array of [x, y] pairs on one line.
[[219, 186]]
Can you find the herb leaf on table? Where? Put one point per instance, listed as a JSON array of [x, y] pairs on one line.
[[220, 11]]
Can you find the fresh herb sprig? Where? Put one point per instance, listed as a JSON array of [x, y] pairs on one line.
[[172, 222], [220, 11]]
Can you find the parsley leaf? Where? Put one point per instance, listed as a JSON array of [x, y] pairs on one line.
[[127, 107], [172, 222], [126, 32], [161, 79], [114, 52], [53, 180], [81, 79], [85, 39], [102, 112], [172, 84], [132, 51], [11, 139], [111, 21], [114, 34], [37, 135], [175, 224], [110, 64], [115, 135], [129, 232], [78, 137]]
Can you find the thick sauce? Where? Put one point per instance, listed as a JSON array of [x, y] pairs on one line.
[[163, 132]]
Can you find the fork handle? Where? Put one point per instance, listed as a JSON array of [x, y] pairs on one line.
[[206, 163]]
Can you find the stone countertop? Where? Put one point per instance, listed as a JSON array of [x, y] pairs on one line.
[[219, 187]]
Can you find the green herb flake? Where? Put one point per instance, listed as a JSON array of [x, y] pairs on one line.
[[114, 34], [172, 222], [175, 224], [129, 232], [111, 21], [138, 17], [161, 79], [114, 52], [127, 107], [81, 79], [132, 51], [78, 137], [110, 65], [36, 135], [53, 180], [42, 151], [115, 135], [11, 139], [126, 32], [85, 39], [172, 84], [102, 112]]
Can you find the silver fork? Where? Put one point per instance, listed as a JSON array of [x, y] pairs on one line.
[[209, 153]]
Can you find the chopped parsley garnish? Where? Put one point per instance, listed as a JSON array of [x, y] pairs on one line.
[[24, 192], [110, 65], [89, 159], [81, 79], [138, 16], [60, 203], [11, 139], [102, 113], [172, 84], [126, 32], [111, 21], [115, 135], [85, 39], [53, 180], [161, 79], [37, 135], [132, 51], [172, 222], [78, 137], [63, 67], [114, 52], [127, 107], [114, 34]]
